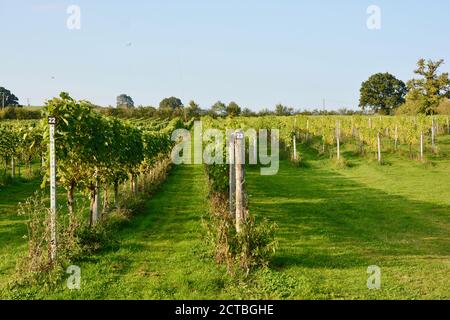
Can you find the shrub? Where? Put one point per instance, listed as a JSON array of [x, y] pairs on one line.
[[240, 252], [11, 113]]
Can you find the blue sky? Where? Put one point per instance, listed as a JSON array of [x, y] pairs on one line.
[[255, 52]]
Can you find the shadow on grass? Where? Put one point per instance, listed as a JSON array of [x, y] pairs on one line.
[[165, 228], [328, 220]]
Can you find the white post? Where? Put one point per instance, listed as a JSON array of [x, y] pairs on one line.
[[379, 147], [240, 161], [232, 178], [421, 146], [338, 142], [307, 130], [433, 132], [13, 167], [448, 126], [396, 137], [97, 200], [52, 123], [255, 149], [295, 147]]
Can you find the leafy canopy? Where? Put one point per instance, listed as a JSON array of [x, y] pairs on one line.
[[430, 89], [7, 98], [171, 103], [382, 93]]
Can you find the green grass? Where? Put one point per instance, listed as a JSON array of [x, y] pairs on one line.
[[158, 254], [12, 227], [332, 224]]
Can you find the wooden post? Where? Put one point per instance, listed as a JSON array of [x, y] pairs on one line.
[[448, 126], [396, 138], [13, 167], [232, 178], [96, 204], [433, 133], [106, 197], [353, 127], [338, 142], [240, 160], [53, 240], [307, 130], [295, 147], [255, 149], [116, 194], [421, 146], [136, 184], [379, 147]]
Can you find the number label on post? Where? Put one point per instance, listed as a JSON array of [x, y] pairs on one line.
[[51, 120], [239, 135]]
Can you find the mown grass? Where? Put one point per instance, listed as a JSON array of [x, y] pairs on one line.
[[12, 227], [332, 224]]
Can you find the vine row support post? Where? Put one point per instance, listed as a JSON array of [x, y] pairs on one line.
[[255, 149], [307, 130], [294, 141], [379, 147], [13, 167], [433, 133], [53, 240], [232, 174], [239, 167], [95, 200], [396, 138], [448, 126], [338, 140], [421, 146]]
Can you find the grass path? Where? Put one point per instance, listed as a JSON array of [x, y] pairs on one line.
[[159, 253]]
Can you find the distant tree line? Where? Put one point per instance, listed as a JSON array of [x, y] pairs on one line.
[[382, 93], [173, 107]]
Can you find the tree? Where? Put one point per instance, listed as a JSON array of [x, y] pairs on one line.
[[432, 88], [219, 109], [7, 98], [233, 109], [246, 112], [193, 110], [124, 101], [281, 110], [171, 103], [382, 93]]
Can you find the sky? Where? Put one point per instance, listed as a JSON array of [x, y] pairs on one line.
[[256, 52]]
